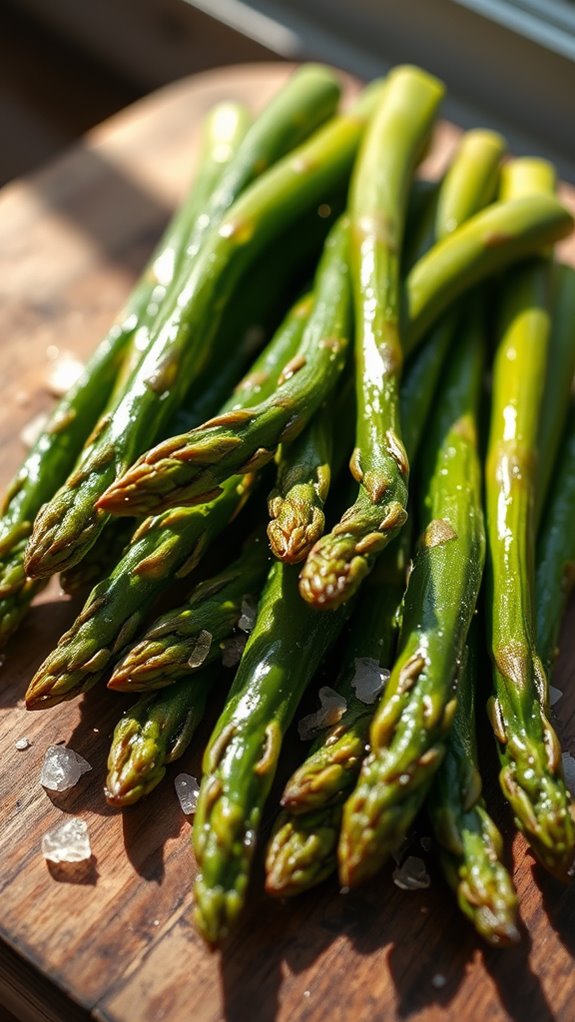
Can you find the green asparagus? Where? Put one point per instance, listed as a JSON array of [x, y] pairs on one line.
[[71, 522], [164, 547], [153, 733], [530, 755], [411, 722], [191, 635], [188, 469], [488, 242], [471, 845]]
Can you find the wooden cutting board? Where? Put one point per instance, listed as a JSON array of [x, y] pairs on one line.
[[113, 941]]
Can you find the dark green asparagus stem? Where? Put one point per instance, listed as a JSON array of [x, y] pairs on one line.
[[493, 239], [162, 548], [471, 844], [530, 754], [71, 522], [302, 851], [153, 733], [412, 720], [187, 469], [393, 144], [555, 575], [280, 658], [190, 636]]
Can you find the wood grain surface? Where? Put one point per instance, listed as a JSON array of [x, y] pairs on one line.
[[113, 941]]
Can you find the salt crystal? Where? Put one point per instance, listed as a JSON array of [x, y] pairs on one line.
[[64, 373], [569, 771], [62, 768], [248, 615], [68, 842], [332, 709], [554, 695], [187, 790], [369, 679], [232, 650], [22, 744], [31, 431], [201, 649], [412, 875], [438, 981]]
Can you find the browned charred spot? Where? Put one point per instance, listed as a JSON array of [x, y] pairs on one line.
[[252, 381], [152, 566], [165, 375], [375, 485], [220, 745], [394, 519], [493, 239], [193, 560], [97, 662], [92, 608], [495, 714], [237, 417], [369, 544], [410, 673], [61, 421], [355, 465], [100, 426], [397, 451], [271, 749], [552, 746], [512, 662], [213, 788], [291, 368], [438, 532]]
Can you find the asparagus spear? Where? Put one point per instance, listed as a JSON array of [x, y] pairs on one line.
[[241, 756], [162, 548], [187, 469], [489, 241], [555, 574], [301, 852], [558, 381], [71, 522], [57, 448], [471, 845], [296, 503], [530, 755], [190, 636], [412, 720], [153, 733]]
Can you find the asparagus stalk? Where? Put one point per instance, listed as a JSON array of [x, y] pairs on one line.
[[241, 757], [190, 636], [555, 574], [471, 845], [58, 446], [162, 548], [412, 720], [301, 852], [71, 522], [488, 242], [530, 755], [189, 468], [153, 733]]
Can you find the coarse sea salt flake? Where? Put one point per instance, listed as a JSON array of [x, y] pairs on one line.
[[569, 771], [411, 875], [68, 842], [554, 695], [248, 615], [332, 709], [62, 768], [369, 679], [22, 744], [201, 649], [187, 790]]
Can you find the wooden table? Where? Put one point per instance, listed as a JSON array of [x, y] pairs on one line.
[[114, 941]]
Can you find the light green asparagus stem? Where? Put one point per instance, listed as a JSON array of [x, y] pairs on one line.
[[153, 733], [471, 845], [190, 636], [488, 242], [555, 575], [187, 469], [412, 720], [531, 768], [301, 852], [163, 548], [380, 185], [71, 522]]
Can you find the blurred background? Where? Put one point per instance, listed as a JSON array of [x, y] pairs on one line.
[[66, 65]]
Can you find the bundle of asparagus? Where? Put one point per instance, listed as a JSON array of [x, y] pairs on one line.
[[313, 225]]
